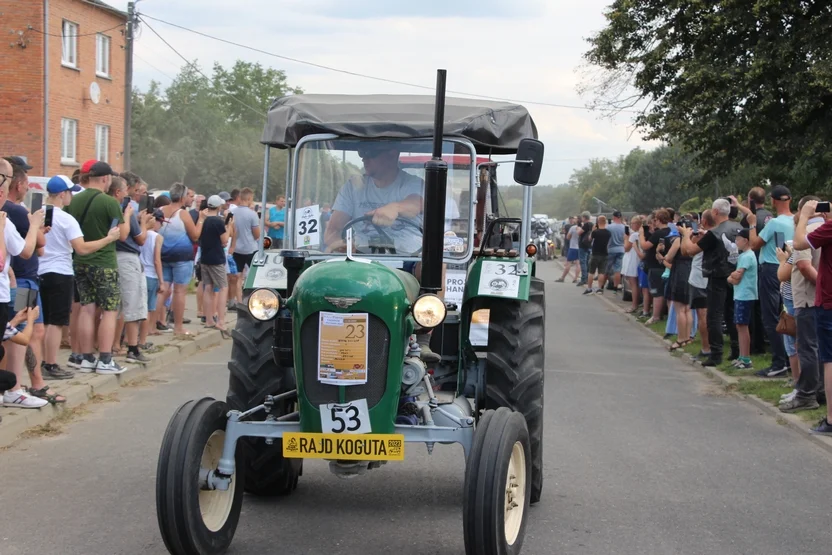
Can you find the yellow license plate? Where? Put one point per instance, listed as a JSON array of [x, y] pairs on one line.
[[353, 447]]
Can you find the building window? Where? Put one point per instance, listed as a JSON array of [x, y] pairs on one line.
[[69, 130], [69, 54], [102, 142], [102, 55]]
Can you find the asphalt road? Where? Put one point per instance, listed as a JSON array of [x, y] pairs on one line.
[[642, 455]]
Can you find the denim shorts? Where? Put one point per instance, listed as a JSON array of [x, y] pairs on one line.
[[573, 255], [179, 273], [231, 266], [824, 326], [34, 286], [614, 262], [743, 310], [643, 280], [788, 341], [152, 292]]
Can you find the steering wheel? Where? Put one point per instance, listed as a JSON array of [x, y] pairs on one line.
[[387, 243]]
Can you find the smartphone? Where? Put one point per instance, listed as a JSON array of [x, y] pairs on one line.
[[823, 207], [626, 230], [37, 203], [124, 204], [47, 220], [779, 239], [695, 227], [145, 204], [228, 218], [23, 299], [114, 223]]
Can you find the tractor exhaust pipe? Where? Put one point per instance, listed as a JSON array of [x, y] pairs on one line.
[[436, 183]]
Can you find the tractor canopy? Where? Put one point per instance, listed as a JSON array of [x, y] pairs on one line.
[[495, 128]]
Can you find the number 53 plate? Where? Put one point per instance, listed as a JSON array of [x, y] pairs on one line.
[[346, 418]]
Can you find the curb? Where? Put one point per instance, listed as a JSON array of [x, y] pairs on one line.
[[791, 421], [18, 421]]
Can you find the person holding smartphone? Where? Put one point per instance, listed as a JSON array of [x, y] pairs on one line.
[[96, 273], [778, 229]]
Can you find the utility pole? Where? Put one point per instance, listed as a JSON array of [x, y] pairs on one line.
[[128, 83]]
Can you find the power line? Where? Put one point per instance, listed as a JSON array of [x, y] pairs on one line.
[[154, 67], [366, 76], [74, 36], [194, 66]]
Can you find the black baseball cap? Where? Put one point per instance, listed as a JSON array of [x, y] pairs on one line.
[[744, 233], [616, 214], [100, 169], [18, 161], [781, 192]]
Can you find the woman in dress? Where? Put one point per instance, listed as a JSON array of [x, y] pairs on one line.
[[679, 290], [630, 264]]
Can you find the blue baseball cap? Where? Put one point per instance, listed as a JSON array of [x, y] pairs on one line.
[[61, 183]]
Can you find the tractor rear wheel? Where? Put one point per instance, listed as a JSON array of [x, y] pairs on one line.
[[514, 366], [254, 374]]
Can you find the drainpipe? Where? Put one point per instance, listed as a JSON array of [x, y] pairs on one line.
[[46, 88]]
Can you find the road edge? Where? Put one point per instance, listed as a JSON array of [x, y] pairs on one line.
[[13, 425], [730, 383]]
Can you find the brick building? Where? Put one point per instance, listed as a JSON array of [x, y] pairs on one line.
[[62, 71]]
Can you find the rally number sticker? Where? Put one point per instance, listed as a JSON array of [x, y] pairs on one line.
[[499, 279], [307, 228], [346, 418]]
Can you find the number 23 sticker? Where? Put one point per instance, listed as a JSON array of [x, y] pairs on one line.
[[346, 418]]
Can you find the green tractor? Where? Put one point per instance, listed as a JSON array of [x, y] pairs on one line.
[[345, 349]]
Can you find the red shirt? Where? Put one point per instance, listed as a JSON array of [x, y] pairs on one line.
[[818, 239]]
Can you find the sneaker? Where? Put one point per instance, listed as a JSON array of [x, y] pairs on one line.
[[798, 404], [711, 362], [774, 372], [788, 396], [742, 365], [88, 366], [55, 372], [599, 291], [74, 361], [22, 400], [137, 358], [588, 292], [559, 280], [112, 367], [823, 428], [580, 284], [163, 328]]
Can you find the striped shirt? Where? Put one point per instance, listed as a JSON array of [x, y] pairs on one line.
[[786, 286]]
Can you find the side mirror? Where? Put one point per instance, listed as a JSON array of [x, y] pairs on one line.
[[525, 173]]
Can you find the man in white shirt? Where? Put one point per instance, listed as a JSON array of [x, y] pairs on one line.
[[55, 273], [13, 244]]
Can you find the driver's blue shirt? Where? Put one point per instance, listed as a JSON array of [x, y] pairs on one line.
[[357, 200]]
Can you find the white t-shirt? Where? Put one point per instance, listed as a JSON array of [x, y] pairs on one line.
[[147, 252], [57, 253], [14, 246]]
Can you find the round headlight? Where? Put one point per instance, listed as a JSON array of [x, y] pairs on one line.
[[263, 304], [429, 311]]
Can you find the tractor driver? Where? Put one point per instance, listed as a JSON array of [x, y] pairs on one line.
[[385, 192]]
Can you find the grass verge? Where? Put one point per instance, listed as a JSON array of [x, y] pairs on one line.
[[770, 392]]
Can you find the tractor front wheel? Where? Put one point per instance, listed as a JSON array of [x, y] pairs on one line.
[[514, 366], [254, 374], [497, 485], [193, 518]]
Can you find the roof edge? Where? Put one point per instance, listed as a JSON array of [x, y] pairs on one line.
[[106, 7]]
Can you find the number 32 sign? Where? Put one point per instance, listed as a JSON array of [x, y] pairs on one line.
[[307, 228]]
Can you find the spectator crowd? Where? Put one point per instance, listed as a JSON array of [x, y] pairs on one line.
[[753, 271], [102, 265]]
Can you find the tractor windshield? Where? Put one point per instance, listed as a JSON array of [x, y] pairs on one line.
[[376, 189]]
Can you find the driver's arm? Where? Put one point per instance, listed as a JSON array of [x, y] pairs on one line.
[[335, 226]]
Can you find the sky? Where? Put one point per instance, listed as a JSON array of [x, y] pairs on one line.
[[524, 50]]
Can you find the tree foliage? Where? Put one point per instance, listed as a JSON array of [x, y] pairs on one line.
[[206, 132], [739, 84]]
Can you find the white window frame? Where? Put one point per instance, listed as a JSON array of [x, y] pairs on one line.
[[69, 44], [69, 134], [102, 142], [102, 55]]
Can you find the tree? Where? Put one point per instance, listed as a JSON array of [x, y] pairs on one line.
[[735, 83], [206, 132]]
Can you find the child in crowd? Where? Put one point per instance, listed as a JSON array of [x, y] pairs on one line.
[[8, 381], [744, 280], [151, 257]]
